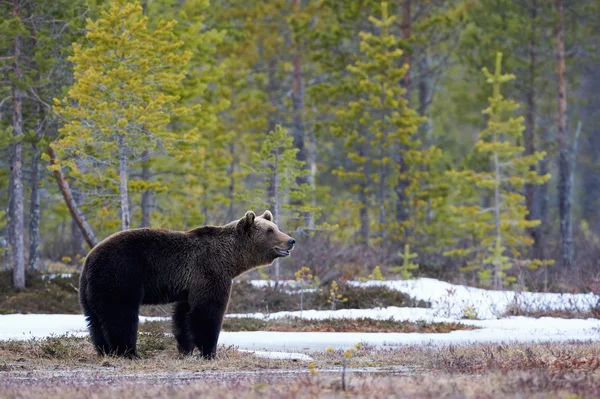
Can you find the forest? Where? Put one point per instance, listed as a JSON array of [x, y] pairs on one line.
[[455, 139]]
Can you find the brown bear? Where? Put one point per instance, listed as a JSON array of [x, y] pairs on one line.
[[194, 269]]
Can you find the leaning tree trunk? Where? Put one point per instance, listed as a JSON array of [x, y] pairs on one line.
[[564, 184], [123, 192], [76, 214], [17, 166]]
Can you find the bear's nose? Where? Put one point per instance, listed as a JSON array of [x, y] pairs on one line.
[[291, 242]]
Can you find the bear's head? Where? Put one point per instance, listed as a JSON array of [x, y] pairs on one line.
[[262, 240]]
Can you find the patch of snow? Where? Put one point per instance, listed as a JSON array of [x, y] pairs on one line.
[[279, 355], [455, 301], [26, 326], [548, 331], [512, 329], [392, 312]]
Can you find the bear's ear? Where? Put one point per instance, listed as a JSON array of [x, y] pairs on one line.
[[267, 215], [247, 220]]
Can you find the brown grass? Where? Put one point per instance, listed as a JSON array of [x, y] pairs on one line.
[[65, 367], [563, 314], [327, 325], [343, 325]]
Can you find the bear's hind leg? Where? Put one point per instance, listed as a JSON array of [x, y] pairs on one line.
[[121, 333], [97, 335], [181, 328], [94, 326]]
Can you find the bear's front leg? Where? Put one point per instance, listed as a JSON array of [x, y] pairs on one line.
[[208, 306]]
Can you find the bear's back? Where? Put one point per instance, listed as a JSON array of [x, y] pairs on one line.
[[154, 260]]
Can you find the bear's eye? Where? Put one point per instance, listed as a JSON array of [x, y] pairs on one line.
[[270, 230]]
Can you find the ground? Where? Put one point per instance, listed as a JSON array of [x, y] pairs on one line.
[[65, 367], [459, 342]]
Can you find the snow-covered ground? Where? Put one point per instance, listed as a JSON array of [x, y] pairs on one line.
[[454, 301], [513, 329], [450, 303]]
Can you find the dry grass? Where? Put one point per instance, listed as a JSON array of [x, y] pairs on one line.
[[594, 313], [295, 324], [493, 385], [66, 367], [340, 325]]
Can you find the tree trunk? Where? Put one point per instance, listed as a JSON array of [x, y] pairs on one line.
[[10, 236], [147, 195], [497, 219], [424, 98], [276, 212], [17, 165], [363, 232], [590, 200], [298, 112], [123, 193], [406, 33], [271, 123], [312, 175], [76, 214], [34, 210], [529, 138], [231, 189], [401, 185], [564, 184], [77, 238]]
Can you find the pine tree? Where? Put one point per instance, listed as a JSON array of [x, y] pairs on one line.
[[120, 106], [374, 124], [497, 233], [204, 164], [276, 164]]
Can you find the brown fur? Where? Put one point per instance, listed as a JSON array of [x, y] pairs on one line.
[[193, 268]]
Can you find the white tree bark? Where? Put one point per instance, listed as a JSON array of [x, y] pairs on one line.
[[125, 220]]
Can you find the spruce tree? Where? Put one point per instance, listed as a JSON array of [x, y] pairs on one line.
[[276, 164], [375, 124], [498, 233]]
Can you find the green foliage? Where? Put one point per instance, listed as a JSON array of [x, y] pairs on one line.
[[497, 234], [335, 296], [277, 165], [379, 129], [122, 97], [377, 275], [203, 161], [407, 264]]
